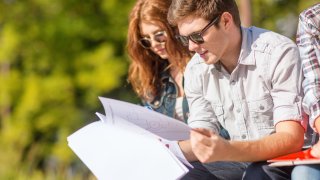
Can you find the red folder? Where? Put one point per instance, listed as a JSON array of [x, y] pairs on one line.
[[302, 157]]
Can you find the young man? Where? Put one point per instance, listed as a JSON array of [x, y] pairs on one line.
[[248, 79], [308, 41]]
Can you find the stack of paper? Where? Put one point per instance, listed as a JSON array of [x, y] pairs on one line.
[[131, 142]]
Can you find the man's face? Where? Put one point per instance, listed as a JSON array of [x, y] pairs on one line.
[[214, 45]]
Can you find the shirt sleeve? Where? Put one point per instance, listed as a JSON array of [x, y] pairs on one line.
[[201, 111], [309, 44], [286, 76]]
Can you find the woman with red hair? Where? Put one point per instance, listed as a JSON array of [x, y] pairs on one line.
[[157, 59]]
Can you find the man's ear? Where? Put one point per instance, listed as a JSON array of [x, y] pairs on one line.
[[226, 20]]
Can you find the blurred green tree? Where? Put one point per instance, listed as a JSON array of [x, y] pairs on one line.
[[56, 58], [279, 15]]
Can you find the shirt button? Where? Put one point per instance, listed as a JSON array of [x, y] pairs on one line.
[[233, 82], [261, 107], [243, 136], [238, 110]]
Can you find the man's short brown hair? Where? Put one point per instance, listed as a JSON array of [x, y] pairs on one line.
[[206, 9]]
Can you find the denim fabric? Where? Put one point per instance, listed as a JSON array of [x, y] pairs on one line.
[[262, 171], [165, 102], [227, 170], [310, 172], [199, 172]]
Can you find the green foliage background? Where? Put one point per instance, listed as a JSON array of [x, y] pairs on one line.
[[56, 58]]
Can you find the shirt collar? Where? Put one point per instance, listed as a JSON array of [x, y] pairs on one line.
[[246, 47]]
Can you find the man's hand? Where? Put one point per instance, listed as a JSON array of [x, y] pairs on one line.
[[207, 146]]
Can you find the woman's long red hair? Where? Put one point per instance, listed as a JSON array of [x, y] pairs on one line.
[[146, 66]]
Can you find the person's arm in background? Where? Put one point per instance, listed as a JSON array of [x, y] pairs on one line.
[[308, 41]]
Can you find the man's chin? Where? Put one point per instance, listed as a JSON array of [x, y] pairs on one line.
[[207, 60]]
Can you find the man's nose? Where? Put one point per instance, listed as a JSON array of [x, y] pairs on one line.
[[193, 46]]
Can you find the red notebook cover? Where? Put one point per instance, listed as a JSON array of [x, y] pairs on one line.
[[302, 157]]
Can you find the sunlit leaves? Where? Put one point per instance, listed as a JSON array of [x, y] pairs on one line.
[[56, 58]]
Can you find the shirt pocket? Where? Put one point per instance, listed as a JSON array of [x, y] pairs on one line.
[[219, 112], [261, 113]]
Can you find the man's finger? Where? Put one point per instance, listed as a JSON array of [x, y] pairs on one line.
[[198, 138], [203, 131]]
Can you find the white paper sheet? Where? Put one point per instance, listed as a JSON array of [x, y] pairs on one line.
[[171, 145], [114, 153], [152, 121], [131, 142]]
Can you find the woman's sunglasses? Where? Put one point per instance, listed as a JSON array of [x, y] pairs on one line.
[[197, 37], [159, 37]]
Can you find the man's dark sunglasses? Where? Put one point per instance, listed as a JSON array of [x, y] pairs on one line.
[[197, 36]]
